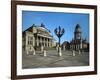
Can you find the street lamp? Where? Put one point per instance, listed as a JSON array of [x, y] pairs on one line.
[[59, 32]]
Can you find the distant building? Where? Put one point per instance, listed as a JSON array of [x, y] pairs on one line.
[[36, 36], [78, 42], [54, 43], [65, 45]]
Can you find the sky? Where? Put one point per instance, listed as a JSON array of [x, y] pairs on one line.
[[53, 20]]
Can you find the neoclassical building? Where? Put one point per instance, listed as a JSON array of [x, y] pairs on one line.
[[36, 36], [78, 43]]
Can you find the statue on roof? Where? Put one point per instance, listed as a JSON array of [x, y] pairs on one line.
[[33, 25], [42, 25]]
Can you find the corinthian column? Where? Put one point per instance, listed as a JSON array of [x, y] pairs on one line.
[[44, 42], [47, 42], [50, 43]]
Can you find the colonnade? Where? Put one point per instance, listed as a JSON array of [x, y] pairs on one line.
[[43, 41], [76, 47]]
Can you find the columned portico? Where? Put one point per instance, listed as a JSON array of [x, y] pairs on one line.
[[44, 41]]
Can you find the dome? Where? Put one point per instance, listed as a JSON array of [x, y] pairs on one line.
[[77, 28]]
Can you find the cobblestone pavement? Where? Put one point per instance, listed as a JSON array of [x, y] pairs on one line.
[[53, 60]]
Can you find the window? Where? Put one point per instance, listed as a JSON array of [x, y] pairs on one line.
[[30, 40]]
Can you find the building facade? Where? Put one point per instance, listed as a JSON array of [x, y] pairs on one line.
[[36, 36], [65, 45], [78, 43]]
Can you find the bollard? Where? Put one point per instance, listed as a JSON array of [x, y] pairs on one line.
[[79, 52], [34, 52], [27, 52], [44, 53], [57, 48], [73, 53]]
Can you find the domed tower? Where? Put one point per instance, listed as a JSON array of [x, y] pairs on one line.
[[77, 33]]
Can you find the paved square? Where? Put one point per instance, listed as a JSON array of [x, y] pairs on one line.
[[54, 60]]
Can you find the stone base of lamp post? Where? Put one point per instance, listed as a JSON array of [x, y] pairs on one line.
[[59, 51]]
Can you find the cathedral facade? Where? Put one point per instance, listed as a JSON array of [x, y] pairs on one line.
[[78, 43]]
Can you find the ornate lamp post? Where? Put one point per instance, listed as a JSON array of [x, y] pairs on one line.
[[59, 32]]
